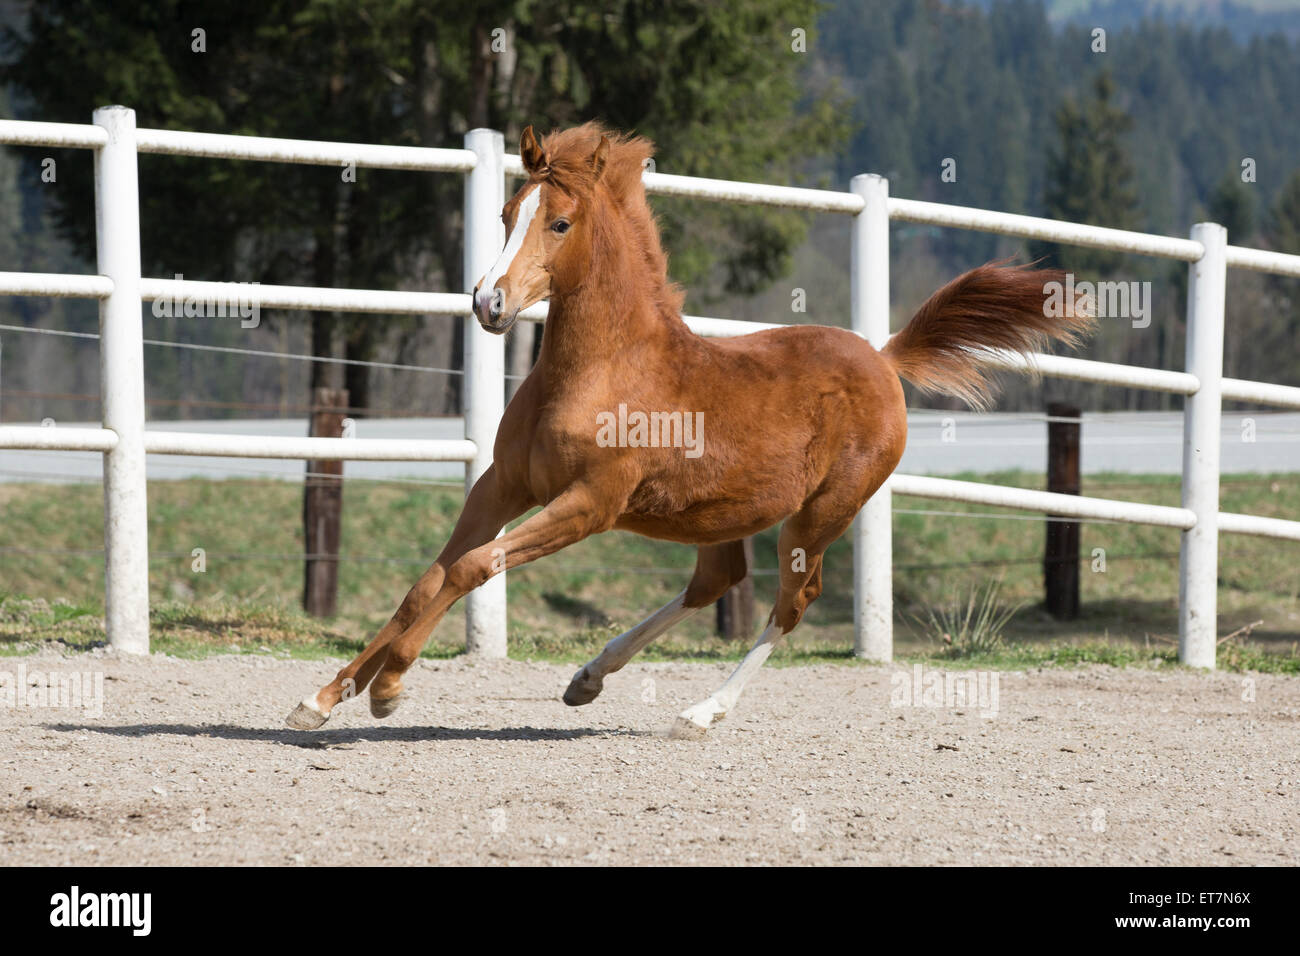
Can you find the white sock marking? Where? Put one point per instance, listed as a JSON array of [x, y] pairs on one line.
[[721, 701], [627, 645]]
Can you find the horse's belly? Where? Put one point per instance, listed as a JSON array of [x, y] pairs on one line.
[[708, 522]]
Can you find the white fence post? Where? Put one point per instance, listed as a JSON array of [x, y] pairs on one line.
[[485, 368], [873, 558], [1199, 560], [121, 383]]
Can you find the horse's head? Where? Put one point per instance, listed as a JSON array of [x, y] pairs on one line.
[[548, 232]]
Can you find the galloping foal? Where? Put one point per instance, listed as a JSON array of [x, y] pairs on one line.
[[800, 424]]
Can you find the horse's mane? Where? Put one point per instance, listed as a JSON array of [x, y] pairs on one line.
[[568, 153]]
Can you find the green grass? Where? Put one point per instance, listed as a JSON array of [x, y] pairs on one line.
[[566, 606], [201, 630]]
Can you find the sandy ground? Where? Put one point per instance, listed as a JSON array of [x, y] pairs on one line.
[[189, 763]]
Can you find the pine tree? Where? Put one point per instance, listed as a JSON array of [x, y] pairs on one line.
[[1284, 217], [715, 86], [1232, 205], [1090, 175], [1283, 233]]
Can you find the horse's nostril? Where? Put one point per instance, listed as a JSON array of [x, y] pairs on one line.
[[489, 304]]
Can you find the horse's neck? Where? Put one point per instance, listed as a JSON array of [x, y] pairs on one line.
[[615, 316]]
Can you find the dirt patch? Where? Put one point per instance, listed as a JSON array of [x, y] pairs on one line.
[[189, 763]]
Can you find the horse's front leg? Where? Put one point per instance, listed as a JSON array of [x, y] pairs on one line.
[[488, 508], [577, 513]]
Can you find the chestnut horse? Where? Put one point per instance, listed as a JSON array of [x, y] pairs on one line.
[[631, 421]]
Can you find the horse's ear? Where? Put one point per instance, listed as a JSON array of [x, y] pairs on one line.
[[531, 153], [598, 158]]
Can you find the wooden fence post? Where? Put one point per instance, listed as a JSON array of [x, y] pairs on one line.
[[736, 607], [1061, 558], [322, 508]]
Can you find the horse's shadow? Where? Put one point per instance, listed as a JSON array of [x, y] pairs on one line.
[[321, 739]]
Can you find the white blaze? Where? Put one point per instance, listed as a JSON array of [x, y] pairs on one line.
[[527, 210]]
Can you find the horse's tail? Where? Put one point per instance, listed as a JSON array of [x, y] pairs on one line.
[[945, 348]]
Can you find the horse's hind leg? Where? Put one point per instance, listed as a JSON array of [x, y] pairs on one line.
[[718, 567], [804, 538]]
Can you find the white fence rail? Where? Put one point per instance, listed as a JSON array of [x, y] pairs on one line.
[[124, 440]]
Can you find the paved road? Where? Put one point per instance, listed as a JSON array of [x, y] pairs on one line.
[[52, 466], [941, 443]]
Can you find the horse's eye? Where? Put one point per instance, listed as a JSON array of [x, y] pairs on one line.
[[560, 226]]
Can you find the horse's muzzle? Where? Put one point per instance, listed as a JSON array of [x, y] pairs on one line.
[[502, 327], [489, 309]]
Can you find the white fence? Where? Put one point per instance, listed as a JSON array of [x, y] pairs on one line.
[[124, 440]]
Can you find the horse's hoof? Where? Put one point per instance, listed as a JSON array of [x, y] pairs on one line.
[[694, 722], [583, 689], [383, 708], [686, 729], [306, 716]]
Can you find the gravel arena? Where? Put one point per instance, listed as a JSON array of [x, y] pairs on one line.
[[189, 763]]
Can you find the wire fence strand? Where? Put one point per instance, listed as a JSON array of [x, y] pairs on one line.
[[425, 561]]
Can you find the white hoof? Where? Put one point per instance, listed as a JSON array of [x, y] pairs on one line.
[[306, 716], [583, 689], [384, 708], [683, 729], [694, 722]]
